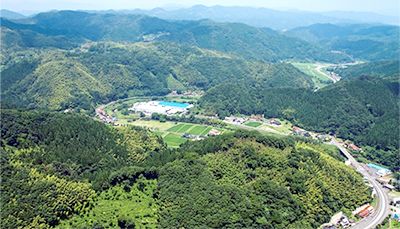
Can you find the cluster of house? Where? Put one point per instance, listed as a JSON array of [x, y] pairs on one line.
[[366, 211], [153, 36], [236, 120], [104, 117], [341, 220], [83, 48], [274, 122], [351, 146], [304, 133], [187, 93]]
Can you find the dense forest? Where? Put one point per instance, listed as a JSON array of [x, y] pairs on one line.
[[60, 79], [69, 170], [363, 109]]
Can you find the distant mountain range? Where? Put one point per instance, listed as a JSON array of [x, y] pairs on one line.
[[70, 27], [362, 41], [263, 17], [10, 14], [258, 17]]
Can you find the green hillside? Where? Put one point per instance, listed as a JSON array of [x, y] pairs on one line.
[[361, 41], [347, 108], [67, 170], [52, 163], [61, 79], [234, 38], [384, 68]]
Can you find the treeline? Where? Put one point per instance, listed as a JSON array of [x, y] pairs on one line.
[[190, 119], [59, 80], [364, 110]]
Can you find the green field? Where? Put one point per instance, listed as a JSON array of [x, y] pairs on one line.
[[205, 132], [153, 125], [253, 124], [176, 128], [158, 133], [174, 140], [185, 128], [197, 130]]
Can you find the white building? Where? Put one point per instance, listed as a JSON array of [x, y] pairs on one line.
[[169, 108]]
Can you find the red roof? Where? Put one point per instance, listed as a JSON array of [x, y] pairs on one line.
[[295, 128], [363, 213]]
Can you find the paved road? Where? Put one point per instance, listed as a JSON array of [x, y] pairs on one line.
[[319, 70], [382, 210]]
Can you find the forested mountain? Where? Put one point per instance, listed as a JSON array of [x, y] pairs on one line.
[[53, 163], [384, 69], [233, 38], [363, 41], [60, 79], [262, 17], [363, 109], [10, 14]]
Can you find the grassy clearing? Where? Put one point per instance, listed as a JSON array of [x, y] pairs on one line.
[[158, 133], [137, 204], [185, 128], [176, 128], [253, 124], [205, 132], [153, 125], [174, 140], [197, 130]]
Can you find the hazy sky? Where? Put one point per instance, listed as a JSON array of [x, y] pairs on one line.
[[391, 7]]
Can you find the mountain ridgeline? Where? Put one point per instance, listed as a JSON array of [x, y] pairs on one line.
[[233, 38], [59, 80]]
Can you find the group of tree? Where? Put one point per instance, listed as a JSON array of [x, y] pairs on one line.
[[59, 80], [364, 110], [56, 168]]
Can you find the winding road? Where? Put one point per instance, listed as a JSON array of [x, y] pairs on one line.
[[382, 207]]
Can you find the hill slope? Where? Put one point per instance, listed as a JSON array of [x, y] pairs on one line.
[[347, 108], [58, 80], [238, 39], [363, 41], [239, 179], [384, 68], [262, 17]]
